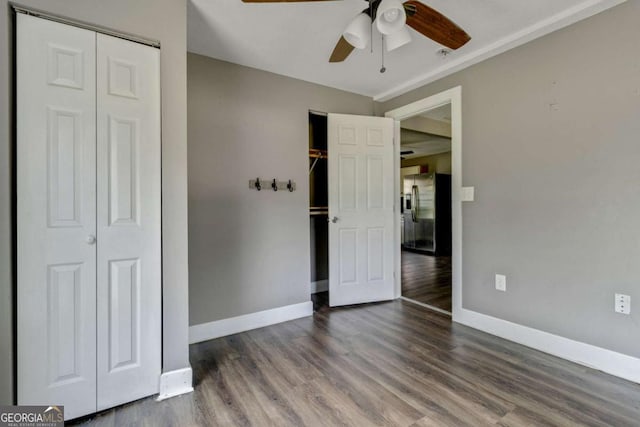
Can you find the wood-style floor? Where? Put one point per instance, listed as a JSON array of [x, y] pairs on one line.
[[391, 364], [427, 279]]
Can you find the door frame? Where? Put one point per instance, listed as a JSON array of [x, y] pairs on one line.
[[451, 96]]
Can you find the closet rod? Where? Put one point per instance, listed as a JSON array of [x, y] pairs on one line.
[[317, 153], [55, 18]]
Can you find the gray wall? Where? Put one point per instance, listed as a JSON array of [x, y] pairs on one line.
[[551, 142], [163, 20], [249, 250]]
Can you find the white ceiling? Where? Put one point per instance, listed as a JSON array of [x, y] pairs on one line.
[[296, 39], [422, 144], [426, 144], [441, 114]]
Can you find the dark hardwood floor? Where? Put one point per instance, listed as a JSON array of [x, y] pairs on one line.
[[392, 364], [427, 279]]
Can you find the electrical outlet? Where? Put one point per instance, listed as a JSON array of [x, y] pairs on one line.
[[623, 304], [501, 282]]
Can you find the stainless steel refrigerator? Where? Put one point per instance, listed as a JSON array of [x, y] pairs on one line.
[[427, 213]]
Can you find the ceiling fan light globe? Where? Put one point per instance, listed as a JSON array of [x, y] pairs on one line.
[[397, 39], [358, 32], [390, 16]]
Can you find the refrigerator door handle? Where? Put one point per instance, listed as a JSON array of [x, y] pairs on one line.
[[414, 206], [417, 202]]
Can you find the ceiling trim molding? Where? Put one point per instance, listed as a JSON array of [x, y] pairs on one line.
[[563, 19]]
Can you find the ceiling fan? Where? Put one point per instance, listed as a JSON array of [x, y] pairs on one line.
[[390, 17]]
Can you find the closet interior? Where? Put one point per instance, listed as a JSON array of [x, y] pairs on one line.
[[318, 202]]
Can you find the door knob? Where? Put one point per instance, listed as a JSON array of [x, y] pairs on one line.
[[91, 239], [334, 219]]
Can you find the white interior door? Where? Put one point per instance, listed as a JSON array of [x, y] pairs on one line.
[[361, 199], [56, 215], [129, 186]]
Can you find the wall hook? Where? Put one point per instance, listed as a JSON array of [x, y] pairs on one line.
[[258, 184]]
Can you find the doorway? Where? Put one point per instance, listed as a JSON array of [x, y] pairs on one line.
[[428, 250], [360, 207], [425, 208], [318, 209]]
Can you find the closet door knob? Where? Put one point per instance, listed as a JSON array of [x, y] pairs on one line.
[[334, 219], [91, 239]]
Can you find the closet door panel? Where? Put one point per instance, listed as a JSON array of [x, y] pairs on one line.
[[129, 252], [56, 215]]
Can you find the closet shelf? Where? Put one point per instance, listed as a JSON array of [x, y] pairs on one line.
[[318, 210]]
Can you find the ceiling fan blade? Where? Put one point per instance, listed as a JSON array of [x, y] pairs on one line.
[[279, 1], [434, 25], [341, 51]]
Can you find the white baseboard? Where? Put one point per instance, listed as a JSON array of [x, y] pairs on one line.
[[247, 322], [319, 286], [175, 383], [611, 362]]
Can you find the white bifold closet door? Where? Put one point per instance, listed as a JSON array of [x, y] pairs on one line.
[[128, 190], [88, 214]]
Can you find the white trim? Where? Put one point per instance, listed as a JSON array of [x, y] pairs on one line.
[[397, 209], [175, 383], [247, 322], [608, 361], [560, 20], [319, 286], [427, 306], [95, 28], [454, 97]]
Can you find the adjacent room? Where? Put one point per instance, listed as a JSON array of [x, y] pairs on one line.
[[425, 200], [267, 212]]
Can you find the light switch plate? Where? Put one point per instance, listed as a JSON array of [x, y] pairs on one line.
[[501, 282], [468, 194]]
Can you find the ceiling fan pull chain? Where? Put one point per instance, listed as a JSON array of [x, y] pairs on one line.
[[371, 28], [382, 69]]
